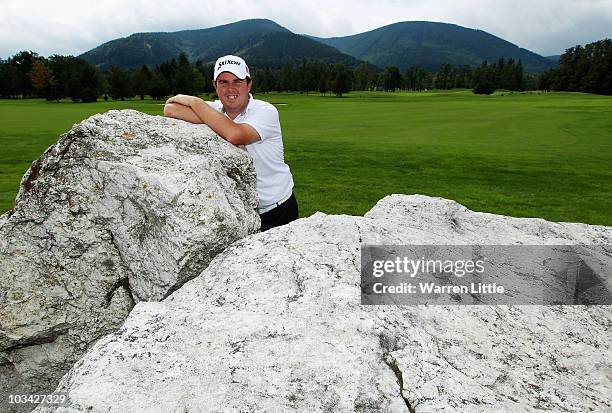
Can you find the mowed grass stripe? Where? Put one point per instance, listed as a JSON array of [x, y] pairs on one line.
[[528, 155]]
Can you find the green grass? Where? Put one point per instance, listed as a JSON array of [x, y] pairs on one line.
[[529, 155]]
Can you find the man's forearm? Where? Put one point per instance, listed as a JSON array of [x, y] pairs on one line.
[[236, 133]]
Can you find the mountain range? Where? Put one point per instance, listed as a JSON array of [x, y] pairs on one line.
[[262, 42]]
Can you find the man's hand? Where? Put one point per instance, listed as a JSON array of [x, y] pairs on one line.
[[184, 100]]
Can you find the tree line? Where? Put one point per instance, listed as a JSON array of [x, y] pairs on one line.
[[27, 75], [582, 69]]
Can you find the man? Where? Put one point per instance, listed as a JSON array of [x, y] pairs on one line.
[[242, 120]]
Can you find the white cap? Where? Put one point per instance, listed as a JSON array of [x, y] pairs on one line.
[[234, 64]]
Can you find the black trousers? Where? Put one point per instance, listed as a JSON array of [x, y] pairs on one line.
[[281, 215]]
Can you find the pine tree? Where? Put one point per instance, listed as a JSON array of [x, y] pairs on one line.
[[184, 76], [142, 78], [159, 88], [340, 79], [23, 62], [443, 79], [391, 78], [9, 81], [484, 79], [120, 85]]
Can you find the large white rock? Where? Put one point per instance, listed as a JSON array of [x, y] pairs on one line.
[[275, 324], [126, 207]]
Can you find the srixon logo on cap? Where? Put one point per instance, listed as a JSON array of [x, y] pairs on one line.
[[229, 62]]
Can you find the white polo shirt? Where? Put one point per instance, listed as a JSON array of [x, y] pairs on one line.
[[274, 179]]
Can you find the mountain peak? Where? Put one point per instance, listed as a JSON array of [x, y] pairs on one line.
[[262, 42], [431, 44], [266, 43]]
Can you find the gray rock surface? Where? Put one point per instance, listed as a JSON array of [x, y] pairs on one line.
[[275, 324], [126, 207]]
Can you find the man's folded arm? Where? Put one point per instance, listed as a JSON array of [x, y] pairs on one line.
[[182, 112], [195, 110]]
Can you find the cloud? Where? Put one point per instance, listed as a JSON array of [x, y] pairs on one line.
[[73, 27]]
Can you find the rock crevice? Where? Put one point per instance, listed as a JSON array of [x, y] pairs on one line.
[[277, 319], [124, 208]]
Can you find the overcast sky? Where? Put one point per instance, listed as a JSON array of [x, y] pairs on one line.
[[72, 27]]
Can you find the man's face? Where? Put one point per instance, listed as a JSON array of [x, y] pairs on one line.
[[233, 92]]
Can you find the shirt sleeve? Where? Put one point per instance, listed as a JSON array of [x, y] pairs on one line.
[[265, 121]]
